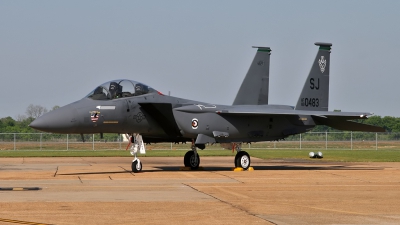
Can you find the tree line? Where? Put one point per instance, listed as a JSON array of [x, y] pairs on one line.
[[20, 124]]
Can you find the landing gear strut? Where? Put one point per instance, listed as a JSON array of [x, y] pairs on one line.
[[242, 158], [192, 158], [137, 145]]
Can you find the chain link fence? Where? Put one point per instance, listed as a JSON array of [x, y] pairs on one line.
[[48, 141], [310, 140]]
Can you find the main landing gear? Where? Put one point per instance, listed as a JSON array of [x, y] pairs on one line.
[[192, 158], [137, 145], [242, 158]]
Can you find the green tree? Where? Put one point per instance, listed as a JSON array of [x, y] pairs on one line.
[[35, 111]]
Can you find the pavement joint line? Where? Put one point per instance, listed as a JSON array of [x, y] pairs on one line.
[[85, 161], [344, 176], [228, 203], [223, 189], [55, 174], [20, 188], [228, 177], [22, 222], [127, 170], [334, 210]]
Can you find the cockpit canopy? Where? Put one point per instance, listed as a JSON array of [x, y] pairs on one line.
[[119, 89]]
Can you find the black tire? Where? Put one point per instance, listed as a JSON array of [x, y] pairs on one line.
[[242, 159], [190, 161], [236, 159], [136, 167]]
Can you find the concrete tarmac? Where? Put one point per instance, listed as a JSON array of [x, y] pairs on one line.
[[104, 191]]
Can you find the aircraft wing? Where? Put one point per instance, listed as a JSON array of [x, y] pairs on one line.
[[337, 120], [270, 110], [323, 114]]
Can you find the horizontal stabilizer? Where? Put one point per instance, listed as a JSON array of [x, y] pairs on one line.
[[347, 125]]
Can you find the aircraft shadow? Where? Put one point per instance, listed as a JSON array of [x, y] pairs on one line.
[[217, 169], [278, 167], [285, 167]]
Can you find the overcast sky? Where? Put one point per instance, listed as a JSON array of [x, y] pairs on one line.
[[56, 52]]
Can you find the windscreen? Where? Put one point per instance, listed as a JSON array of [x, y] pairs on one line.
[[119, 89]]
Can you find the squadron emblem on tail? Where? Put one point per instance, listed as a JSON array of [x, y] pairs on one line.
[[322, 63]]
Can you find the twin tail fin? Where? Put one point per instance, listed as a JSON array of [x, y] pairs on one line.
[[315, 93], [254, 89]]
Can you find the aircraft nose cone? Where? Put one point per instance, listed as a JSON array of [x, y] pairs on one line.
[[61, 120]]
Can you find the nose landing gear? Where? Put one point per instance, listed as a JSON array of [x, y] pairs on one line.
[[137, 145]]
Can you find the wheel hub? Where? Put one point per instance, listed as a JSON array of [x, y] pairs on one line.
[[244, 161]]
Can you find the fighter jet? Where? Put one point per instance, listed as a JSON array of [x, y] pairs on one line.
[[129, 107]]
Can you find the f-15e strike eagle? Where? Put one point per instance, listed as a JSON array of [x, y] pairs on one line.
[[126, 106]]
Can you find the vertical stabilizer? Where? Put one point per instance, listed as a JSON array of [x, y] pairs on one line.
[[315, 93], [254, 89]]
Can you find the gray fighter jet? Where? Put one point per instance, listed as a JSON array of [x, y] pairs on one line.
[[130, 107]]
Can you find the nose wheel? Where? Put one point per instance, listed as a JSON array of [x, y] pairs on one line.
[[136, 166]]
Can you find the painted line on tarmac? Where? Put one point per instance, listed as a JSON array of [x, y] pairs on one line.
[[21, 222], [20, 188]]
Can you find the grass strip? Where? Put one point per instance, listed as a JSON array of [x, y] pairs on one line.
[[329, 155]]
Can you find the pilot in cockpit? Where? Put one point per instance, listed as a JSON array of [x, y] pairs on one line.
[[141, 89], [119, 89], [115, 90]]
